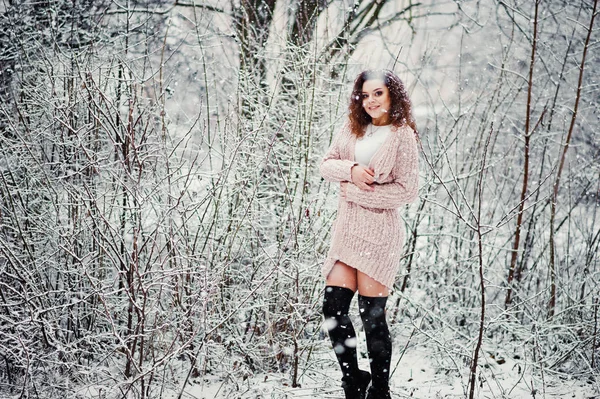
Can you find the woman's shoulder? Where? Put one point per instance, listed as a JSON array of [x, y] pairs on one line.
[[405, 133], [403, 128]]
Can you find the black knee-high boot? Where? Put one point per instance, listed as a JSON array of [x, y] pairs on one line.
[[336, 303], [379, 344]]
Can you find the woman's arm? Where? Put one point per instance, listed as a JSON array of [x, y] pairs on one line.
[[402, 190], [333, 168]]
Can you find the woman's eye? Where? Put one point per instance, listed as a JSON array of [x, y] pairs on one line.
[[378, 93], [365, 96]]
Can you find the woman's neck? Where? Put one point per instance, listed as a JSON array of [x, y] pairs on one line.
[[381, 121]]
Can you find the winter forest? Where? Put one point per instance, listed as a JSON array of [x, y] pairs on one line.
[[163, 219]]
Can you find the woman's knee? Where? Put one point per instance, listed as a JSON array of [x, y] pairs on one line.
[[336, 301]]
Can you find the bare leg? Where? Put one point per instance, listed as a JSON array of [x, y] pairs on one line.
[[370, 287], [342, 275]]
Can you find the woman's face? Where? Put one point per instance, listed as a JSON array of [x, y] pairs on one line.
[[376, 101]]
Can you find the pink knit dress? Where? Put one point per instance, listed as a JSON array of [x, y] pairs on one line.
[[368, 232]]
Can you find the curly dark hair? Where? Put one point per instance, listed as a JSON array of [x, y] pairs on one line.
[[400, 110]]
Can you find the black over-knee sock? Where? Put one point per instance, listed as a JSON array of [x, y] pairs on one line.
[[336, 303], [379, 342]]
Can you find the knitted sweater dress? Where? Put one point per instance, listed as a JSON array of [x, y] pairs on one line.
[[368, 232]]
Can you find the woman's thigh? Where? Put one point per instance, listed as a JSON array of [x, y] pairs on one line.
[[370, 287], [342, 275]]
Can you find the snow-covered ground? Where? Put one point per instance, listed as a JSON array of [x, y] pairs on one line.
[[419, 373], [415, 378]]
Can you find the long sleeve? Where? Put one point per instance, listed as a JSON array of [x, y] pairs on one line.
[[400, 191], [333, 168]]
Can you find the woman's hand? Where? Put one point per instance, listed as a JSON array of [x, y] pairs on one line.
[[362, 177]]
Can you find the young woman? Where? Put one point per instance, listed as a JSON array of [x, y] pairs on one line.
[[374, 158]]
